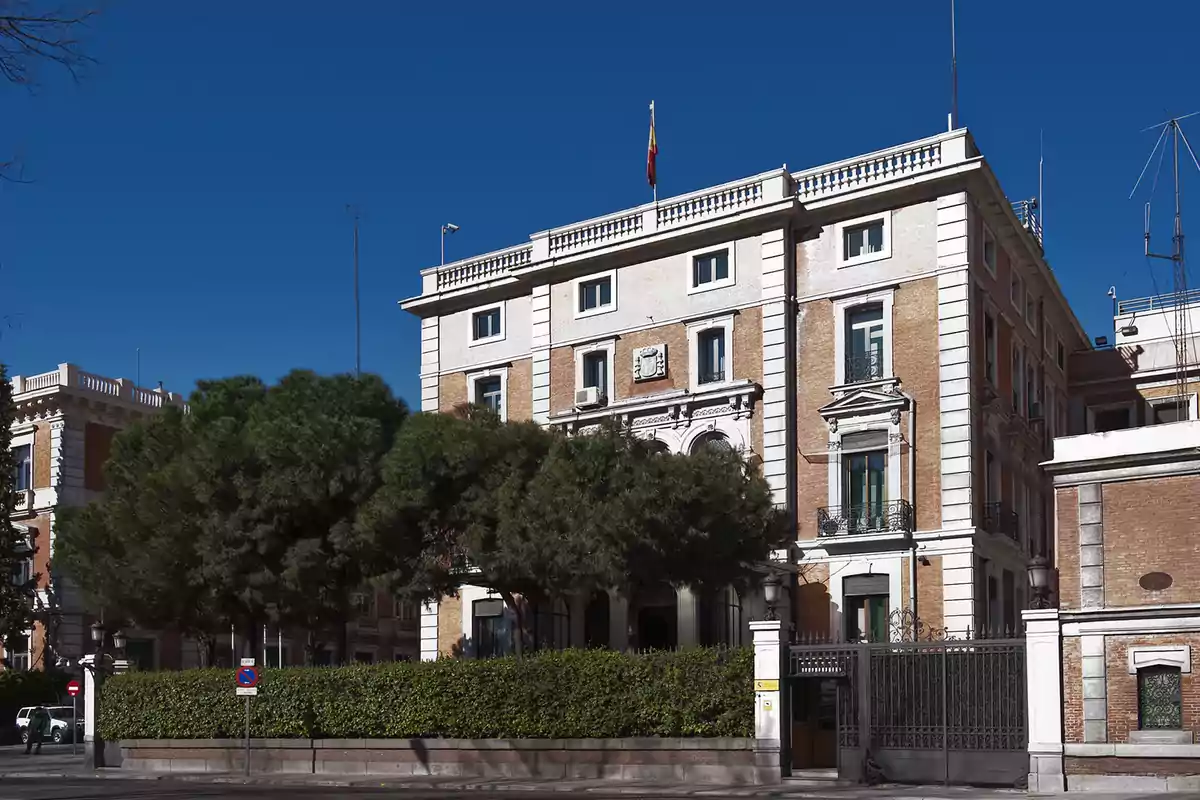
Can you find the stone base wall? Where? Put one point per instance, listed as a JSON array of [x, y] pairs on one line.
[[725, 761], [1131, 774]]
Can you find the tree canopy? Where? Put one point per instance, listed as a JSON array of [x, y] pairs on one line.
[[277, 502], [18, 588]]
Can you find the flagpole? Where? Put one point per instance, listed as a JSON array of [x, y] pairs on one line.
[[654, 134]]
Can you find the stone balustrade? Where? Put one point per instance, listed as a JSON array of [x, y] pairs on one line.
[[69, 376]]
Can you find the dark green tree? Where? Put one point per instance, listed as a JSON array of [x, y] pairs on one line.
[[18, 589], [536, 516]]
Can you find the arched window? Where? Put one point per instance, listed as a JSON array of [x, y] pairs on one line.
[[712, 442]]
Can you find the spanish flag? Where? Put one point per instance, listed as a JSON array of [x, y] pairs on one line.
[[652, 152]]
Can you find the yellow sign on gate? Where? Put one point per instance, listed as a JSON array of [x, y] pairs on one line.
[[766, 685]]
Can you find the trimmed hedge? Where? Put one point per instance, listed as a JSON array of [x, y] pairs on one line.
[[570, 694]]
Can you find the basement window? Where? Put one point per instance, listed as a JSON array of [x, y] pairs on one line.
[[1160, 699]]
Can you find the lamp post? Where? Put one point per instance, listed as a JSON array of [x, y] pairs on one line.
[[771, 593], [100, 669], [1039, 583]]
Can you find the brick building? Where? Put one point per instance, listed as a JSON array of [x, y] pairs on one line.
[[881, 335], [1127, 626], [62, 435]]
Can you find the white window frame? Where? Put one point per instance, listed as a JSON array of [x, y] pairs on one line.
[[841, 309], [694, 330], [495, 372], [1016, 292], [577, 285], [836, 469], [730, 251], [1030, 311], [839, 234], [608, 346], [499, 337], [988, 236], [1189, 398], [1062, 366], [414, 610]]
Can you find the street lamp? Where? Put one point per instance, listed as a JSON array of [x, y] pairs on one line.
[[1039, 583], [449, 227], [118, 640], [771, 593], [100, 669]]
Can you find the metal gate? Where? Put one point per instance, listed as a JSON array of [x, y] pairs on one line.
[[928, 710]]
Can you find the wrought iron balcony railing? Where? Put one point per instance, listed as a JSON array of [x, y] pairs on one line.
[[999, 518], [861, 367], [895, 516]]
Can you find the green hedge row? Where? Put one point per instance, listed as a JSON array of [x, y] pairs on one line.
[[571, 694]]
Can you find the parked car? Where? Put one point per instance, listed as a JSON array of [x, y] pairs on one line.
[[60, 723]]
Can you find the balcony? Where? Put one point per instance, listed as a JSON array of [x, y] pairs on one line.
[[999, 518], [864, 367], [1027, 215], [24, 500], [894, 517]]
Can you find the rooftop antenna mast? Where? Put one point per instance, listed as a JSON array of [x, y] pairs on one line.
[[1169, 137], [953, 72]]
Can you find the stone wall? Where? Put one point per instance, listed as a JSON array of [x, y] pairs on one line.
[[725, 761]]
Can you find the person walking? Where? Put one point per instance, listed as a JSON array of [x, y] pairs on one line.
[[39, 729]]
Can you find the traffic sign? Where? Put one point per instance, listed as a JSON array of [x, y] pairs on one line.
[[73, 688], [247, 662], [247, 677]]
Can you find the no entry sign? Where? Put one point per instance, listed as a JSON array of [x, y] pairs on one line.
[[73, 688]]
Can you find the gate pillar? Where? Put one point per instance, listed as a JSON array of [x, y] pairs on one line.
[[768, 700], [1043, 681]]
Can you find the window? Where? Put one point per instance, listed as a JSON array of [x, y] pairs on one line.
[[1160, 698], [596, 294], [489, 393], [1016, 292], [865, 239], [989, 340], [1172, 409], [1062, 356], [22, 572], [1030, 312], [23, 467], [989, 250], [1033, 410], [864, 491], [711, 442], [489, 629], [862, 240], [595, 371], [140, 653], [991, 478], [16, 653], [1008, 589], [551, 625], [405, 610], [1111, 419], [710, 367], [866, 607], [364, 657], [363, 604], [712, 269], [487, 324], [864, 343], [272, 658]]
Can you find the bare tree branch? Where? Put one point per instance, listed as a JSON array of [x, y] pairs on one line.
[[29, 36]]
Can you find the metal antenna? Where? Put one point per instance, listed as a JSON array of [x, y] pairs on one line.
[[953, 72], [1172, 129], [1041, 203], [357, 318]]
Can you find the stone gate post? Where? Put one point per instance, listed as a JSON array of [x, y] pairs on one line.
[[1043, 681], [768, 700]]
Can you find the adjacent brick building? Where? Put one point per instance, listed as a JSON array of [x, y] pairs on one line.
[[1127, 626]]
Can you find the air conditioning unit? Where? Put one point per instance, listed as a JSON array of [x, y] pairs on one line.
[[588, 397]]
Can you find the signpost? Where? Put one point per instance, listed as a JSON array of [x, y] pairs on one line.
[[73, 690], [247, 686]]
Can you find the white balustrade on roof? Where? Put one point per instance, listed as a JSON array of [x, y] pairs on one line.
[[71, 377]]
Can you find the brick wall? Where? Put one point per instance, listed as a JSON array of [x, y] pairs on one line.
[[97, 445], [915, 362], [930, 592], [520, 390], [1072, 687], [812, 606], [452, 391], [41, 456], [562, 379], [1122, 687], [41, 541], [673, 336], [1067, 535], [450, 631], [747, 345], [815, 374], [1151, 526]]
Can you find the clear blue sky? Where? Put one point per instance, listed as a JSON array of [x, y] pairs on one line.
[[189, 196]]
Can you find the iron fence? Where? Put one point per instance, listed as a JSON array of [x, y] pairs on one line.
[[893, 516], [999, 518]]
